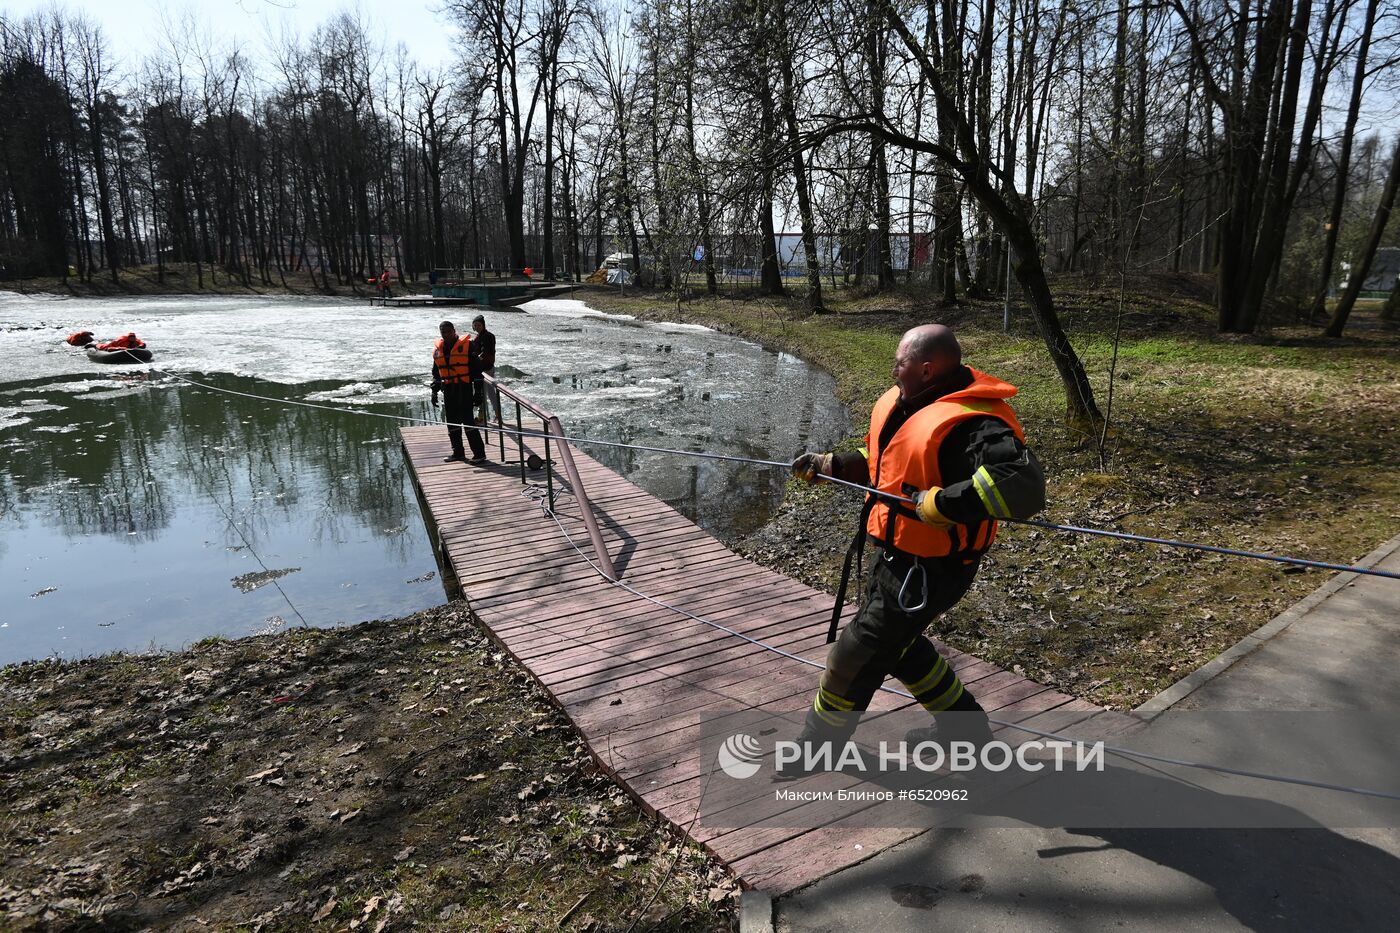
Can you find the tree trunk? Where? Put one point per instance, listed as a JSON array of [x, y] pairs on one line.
[[104, 193], [1117, 111], [788, 105], [1011, 213], [880, 181], [1276, 201], [547, 196], [770, 277], [1368, 253], [1339, 192]]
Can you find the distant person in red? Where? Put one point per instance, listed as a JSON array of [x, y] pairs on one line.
[[129, 342], [80, 338], [384, 282], [528, 272]]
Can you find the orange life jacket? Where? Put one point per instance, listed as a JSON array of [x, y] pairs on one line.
[[454, 365], [384, 278], [129, 342], [80, 338], [909, 464]]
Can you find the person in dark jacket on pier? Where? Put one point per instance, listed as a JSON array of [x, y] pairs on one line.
[[484, 361], [452, 376]]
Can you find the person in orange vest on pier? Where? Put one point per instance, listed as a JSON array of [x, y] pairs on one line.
[[945, 437], [452, 376], [384, 285]]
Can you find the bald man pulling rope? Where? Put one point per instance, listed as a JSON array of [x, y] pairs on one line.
[[945, 437]]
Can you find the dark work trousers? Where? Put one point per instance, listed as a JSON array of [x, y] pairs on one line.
[[457, 411], [883, 639], [487, 398]]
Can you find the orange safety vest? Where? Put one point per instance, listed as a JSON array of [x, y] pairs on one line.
[[453, 366], [909, 464], [129, 342]]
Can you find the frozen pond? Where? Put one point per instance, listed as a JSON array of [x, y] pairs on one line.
[[138, 511]]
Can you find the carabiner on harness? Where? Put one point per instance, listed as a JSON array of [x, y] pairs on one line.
[[904, 587]]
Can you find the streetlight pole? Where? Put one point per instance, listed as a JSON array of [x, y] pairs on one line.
[[872, 250]]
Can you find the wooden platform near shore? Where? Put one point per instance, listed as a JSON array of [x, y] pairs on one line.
[[632, 675], [418, 301]]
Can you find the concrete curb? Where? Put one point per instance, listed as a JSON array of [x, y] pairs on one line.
[[755, 912], [1247, 645]]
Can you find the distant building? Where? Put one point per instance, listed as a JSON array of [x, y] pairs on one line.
[[852, 248], [1382, 278]]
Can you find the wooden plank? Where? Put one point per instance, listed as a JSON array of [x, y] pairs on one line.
[[691, 645], [643, 620]]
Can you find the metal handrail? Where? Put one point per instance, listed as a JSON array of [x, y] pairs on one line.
[[554, 428], [467, 273]]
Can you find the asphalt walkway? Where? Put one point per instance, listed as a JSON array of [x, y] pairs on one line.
[[1338, 649]]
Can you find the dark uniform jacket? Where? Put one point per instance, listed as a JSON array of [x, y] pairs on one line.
[[977, 442], [483, 354]]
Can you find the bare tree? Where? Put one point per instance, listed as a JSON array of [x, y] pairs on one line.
[[1362, 267]]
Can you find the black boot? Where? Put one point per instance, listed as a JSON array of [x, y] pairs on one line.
[[970, 726], [815, 733]]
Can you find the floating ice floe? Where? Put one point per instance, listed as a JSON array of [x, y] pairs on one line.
[[248, 582], [367, 393]]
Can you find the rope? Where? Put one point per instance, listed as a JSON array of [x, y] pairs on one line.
[[237, 527], [1209, 548], [1113, 749], [1124, 752], [863, 489]]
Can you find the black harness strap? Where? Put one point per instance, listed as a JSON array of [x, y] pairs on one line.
[[853, 554]]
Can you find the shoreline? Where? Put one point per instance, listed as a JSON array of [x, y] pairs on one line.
[[144, 282], [289, 756]]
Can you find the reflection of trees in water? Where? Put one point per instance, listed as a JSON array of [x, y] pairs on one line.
[[9, 510], [260, 459], [98, 485], [768, 411], [274, 457], [619, 460], [335, 473]]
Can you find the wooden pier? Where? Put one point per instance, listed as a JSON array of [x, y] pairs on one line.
[[633, 676], [418, 301], [498, 296]]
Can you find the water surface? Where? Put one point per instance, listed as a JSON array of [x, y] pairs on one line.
[[139, 511]]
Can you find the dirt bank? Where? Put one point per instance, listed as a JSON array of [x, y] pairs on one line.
[[389, 775]]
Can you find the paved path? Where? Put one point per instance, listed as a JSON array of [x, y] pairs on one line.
[[1337, 649]]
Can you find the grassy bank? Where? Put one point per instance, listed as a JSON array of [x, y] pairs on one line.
[[1284, 442], [389, 775]]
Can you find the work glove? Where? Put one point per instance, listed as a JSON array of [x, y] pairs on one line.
[[926, 504], [435, 400], [810, 467]]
